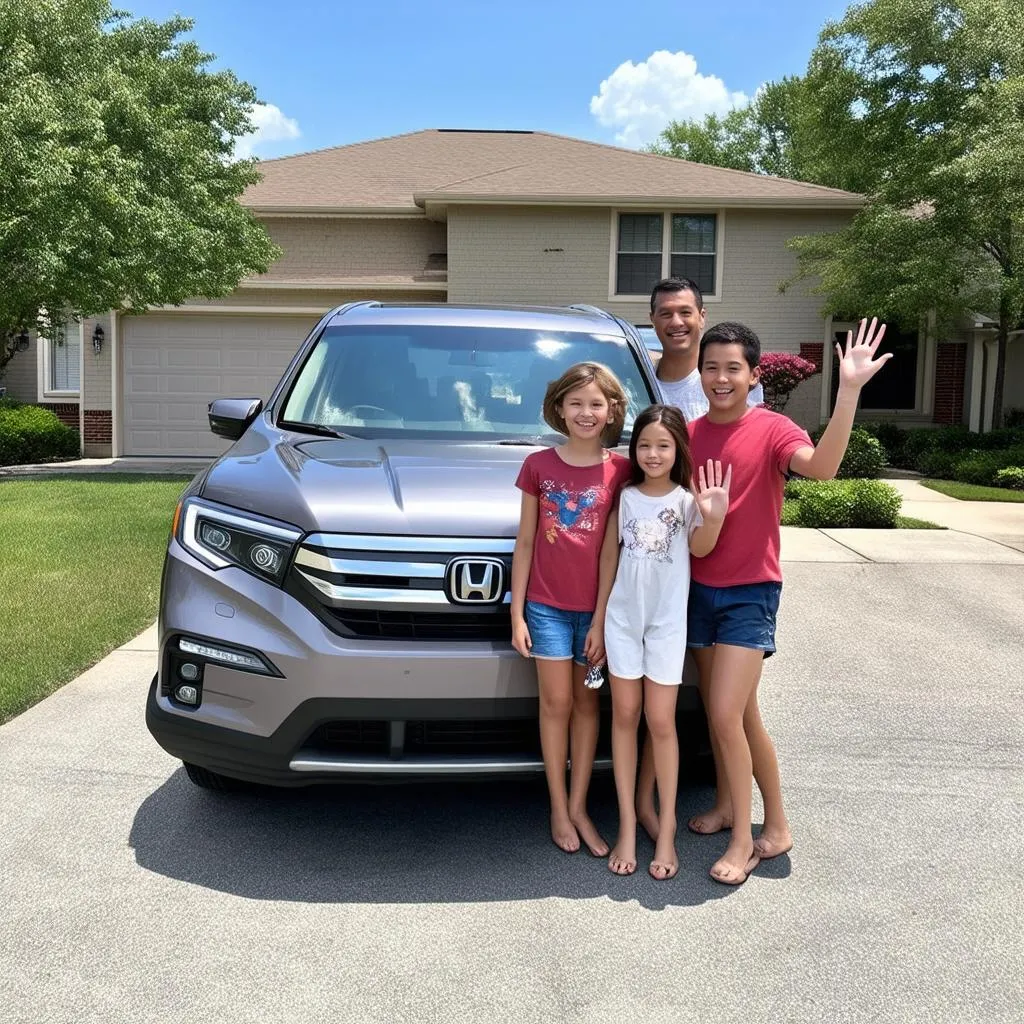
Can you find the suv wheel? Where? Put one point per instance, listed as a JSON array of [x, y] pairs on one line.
[[206, 779]]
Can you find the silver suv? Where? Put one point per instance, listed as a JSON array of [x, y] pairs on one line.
[[335, 599]]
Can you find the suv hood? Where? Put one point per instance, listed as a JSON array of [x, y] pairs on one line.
[[416, 488]]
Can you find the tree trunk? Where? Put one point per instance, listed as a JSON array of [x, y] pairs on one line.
[[1003, 336]]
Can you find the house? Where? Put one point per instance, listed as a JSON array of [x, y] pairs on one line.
[[480, 216]]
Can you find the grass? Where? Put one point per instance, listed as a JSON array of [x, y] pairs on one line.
[[973, 492], [79, 574], [791, 506]]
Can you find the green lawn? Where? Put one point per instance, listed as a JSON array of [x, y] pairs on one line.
[[973, 492], [80, 560]]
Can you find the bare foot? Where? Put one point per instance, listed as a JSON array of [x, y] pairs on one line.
[[564, 836], [648, 818], [734, 866], [665, 863], [622, 859], [589, 834], [718, 819], [773, 842]]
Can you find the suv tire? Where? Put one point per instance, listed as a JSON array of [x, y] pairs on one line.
[[205, 779]]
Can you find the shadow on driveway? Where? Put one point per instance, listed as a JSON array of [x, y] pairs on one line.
[[436, 843]]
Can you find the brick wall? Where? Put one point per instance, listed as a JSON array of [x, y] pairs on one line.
[[97, 426], [66, 412], [950, 367], [813, 352]]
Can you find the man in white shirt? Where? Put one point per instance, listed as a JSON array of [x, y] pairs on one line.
[[678, 317]]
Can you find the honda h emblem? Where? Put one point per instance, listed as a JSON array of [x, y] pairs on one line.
[[475, 580]]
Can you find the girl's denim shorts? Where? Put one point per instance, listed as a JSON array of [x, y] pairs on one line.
[[556, 633]]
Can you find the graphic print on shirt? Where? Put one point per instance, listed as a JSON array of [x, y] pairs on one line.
[[652, 537], [566, 509]]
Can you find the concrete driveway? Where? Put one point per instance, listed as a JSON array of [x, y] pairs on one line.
[[129, 895]]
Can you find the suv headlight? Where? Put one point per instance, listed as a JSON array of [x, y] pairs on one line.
[[220, 537]]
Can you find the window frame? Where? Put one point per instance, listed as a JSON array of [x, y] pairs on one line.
[[666, 215], [44, 363]]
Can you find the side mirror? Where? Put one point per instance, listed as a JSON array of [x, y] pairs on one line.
[[230, 417]]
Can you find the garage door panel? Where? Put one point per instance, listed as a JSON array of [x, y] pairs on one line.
[[175, 365]]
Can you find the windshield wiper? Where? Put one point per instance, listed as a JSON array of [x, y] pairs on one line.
[[314, 428], [526, 442]]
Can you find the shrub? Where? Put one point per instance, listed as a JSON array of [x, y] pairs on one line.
[[29, 433], [876, 505], [938, 464], [824, 504], [790, 514], [864, 456], [891, 436], [835, 504], [781, 372], [1012, 477], [1013, 417]]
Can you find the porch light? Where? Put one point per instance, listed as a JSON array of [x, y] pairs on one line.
[[97, 339], [23, 340]]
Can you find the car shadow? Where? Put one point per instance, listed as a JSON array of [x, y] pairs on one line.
[[430, 843]]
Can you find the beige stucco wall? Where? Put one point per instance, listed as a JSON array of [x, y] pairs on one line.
[[21, 377], [318, 248], [498, 254]]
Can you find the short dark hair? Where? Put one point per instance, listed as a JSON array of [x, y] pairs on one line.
[[671, 285], [672, 420], [729, 332]]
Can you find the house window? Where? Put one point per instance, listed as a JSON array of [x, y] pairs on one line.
[[656, 245], [639, 256], [693, 250], [64, 360]]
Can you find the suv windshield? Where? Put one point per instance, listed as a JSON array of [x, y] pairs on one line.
[[483, 382]]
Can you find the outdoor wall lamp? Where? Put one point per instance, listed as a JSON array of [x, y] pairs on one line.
[[23, 341], [97, 339]]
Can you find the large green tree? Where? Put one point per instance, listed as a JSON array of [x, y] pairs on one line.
[[118, 189], [919, 105]]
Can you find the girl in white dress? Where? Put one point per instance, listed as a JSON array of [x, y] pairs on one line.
[[662, 518]]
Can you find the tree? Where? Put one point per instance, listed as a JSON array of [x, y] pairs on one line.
[[117, 185], [920, 105], [781, 372], [757, 138]]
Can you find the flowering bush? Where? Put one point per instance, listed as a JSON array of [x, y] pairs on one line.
[[780, 374]]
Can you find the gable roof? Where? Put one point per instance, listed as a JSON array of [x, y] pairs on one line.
[[420, 170]]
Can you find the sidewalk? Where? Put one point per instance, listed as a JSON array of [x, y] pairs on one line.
[[166, 465]]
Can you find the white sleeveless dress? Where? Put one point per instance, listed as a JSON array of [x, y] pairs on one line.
[[645, 624]]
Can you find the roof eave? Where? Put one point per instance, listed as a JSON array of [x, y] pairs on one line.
[[350, 210], [849, 202]]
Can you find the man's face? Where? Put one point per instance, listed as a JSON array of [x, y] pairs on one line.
[[678, 322]]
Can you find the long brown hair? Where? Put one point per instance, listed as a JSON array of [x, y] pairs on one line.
[[672, 420], [579, 376]]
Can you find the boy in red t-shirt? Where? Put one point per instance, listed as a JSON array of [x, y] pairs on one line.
[[734, 593]]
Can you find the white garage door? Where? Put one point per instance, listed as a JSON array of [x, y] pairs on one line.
[[176, 364]]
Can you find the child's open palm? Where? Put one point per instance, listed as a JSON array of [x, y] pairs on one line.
[[857, 365], [712, 491]]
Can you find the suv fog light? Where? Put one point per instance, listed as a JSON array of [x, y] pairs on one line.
[[189, 671], [222, 654], [187, 694]]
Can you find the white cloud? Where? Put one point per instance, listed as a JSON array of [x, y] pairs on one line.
[[640, 99], [271, 126]]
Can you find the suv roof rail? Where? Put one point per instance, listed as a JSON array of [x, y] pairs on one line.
[[362, 303], [583, 307]]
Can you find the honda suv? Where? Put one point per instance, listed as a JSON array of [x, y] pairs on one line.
[[335, 598]]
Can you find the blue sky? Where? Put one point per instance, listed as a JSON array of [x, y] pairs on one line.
[[333, 73]]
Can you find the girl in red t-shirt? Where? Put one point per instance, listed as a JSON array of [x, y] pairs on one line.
[[569, 493]]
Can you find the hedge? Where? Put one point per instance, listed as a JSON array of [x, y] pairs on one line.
[[835, 504], [29, 433], [865, 455], [1012, 477]]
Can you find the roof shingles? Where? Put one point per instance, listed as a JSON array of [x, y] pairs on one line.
[[405, 172]]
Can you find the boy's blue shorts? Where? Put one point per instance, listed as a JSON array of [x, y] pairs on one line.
[[556, 633], [742, 616]]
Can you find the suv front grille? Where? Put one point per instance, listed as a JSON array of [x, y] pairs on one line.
[[431, 737], [405, 588]]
